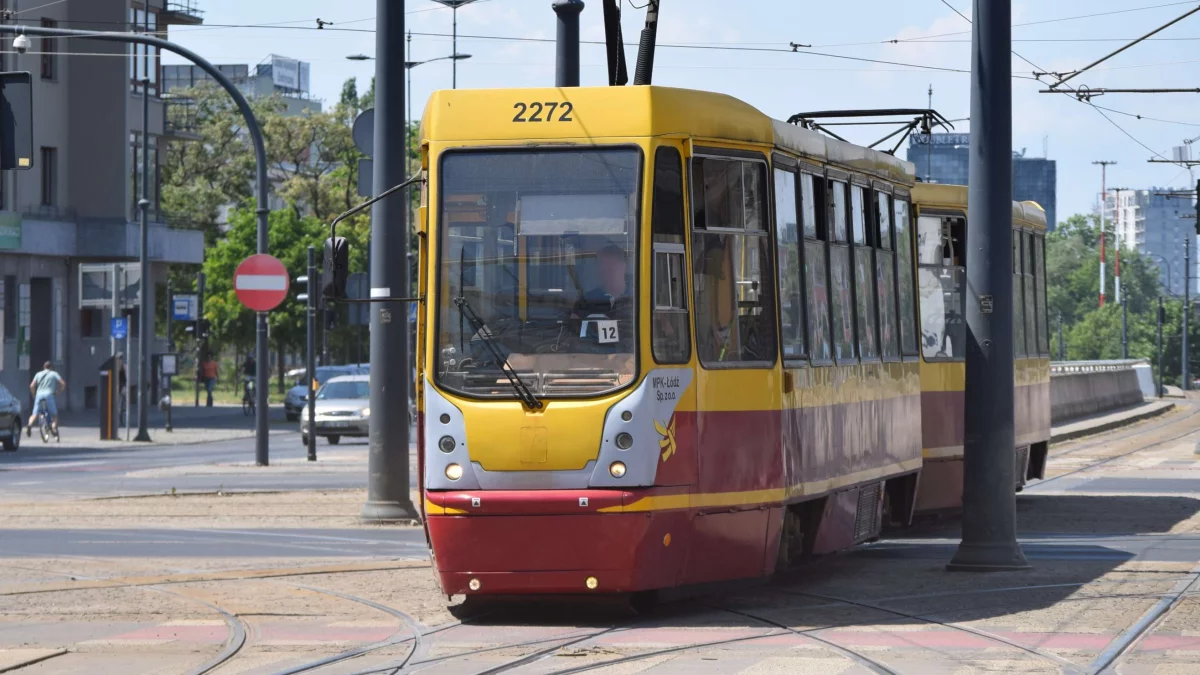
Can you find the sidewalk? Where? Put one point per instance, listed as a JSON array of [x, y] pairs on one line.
[[189, 425], [1095, 424]]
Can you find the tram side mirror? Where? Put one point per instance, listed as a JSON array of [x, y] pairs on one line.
[[335, 271]]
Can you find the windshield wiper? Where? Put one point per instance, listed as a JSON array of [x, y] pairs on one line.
[[522, 389]]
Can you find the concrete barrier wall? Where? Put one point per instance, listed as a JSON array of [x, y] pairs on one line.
[[1079, 389]]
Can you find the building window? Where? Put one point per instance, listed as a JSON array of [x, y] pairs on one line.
[[49, 176], [10, 307], [135, 180], [731, 260], [145, 62], [49, 49], [671, 338], [91, 323]]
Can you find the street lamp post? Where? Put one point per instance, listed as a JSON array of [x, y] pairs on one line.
[[454, 5]]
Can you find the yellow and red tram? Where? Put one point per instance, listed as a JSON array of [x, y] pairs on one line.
[[941, 278], [666, 340]]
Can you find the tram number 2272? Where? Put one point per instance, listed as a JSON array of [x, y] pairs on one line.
[[533, 112]]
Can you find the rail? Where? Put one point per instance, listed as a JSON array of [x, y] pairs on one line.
[[1074, 367]]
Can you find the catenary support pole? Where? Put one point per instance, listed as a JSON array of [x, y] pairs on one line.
[[310, 356], [1159, 350], [170, 349], [1187, 308], [145, 311], [567, 58], [989, 526], [1062, 348], [388, 497], [1124, 330]]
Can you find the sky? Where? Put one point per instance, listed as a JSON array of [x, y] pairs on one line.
[[744, 51]]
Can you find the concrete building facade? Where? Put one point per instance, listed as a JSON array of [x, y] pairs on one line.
[[1155, 224], [77, 205], [945, 158]]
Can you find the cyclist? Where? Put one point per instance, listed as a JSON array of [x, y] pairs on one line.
[[249, 371], [45, 386]]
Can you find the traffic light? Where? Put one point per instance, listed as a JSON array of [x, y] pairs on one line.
[[304, 286], [199, 329], [335, 271]]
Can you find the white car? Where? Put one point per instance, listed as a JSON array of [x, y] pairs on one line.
[[297, 397], [343, 408]]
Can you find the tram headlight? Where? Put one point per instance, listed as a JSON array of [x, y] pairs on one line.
[[454, 472], [446, 444], [617, 469], [624, 441]]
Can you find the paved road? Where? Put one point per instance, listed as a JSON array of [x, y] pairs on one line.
[[202, 543]]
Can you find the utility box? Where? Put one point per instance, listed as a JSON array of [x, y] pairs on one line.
[[110, 398]]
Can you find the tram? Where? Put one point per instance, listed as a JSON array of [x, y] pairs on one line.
[[666, 340], [941, 227]]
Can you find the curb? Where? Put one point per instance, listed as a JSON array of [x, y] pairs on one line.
[[1111, 424]]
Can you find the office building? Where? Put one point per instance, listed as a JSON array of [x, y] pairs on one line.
[[277, 76], [945, 158], [77, 204], [1157, 225]]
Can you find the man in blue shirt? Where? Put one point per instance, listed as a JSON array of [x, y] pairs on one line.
[[45, 386]]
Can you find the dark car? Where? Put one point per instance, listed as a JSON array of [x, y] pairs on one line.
[[10, 420]]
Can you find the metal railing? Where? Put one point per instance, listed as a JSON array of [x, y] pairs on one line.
[[187, 7], [1074, 367]]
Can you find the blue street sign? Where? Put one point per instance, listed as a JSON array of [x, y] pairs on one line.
[[120, 328], [183, 307]]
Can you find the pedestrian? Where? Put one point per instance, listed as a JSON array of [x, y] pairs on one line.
[[209, 372]]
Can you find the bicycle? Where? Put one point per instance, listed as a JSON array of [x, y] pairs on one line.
[[46, 424], [248, 397]]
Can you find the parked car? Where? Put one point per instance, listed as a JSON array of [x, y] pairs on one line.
[[296, 399], [10, 420], [342, 409]]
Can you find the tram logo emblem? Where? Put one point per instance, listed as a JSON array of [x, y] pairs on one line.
[[667, 431]]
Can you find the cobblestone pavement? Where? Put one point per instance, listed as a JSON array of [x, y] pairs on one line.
[[290, 582]]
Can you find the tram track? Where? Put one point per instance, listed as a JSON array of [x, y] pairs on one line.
[[1125, 644]]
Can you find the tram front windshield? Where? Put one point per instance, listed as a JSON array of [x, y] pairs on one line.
[[537, 271]]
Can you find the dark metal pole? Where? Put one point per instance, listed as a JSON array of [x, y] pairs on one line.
[[1160, 323], [310, 357], [454, 48], [567, 60], [201, 343], [1187, 309], [145, 311], [170, 348], [1062, 349], [1124, 329], [989, 525], [388, 497], [260, 156]]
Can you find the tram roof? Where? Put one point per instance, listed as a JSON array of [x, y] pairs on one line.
[[1028, 213], [491, 115]]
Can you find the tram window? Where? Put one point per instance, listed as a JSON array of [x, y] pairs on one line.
[[1039, 268], [904, 261], [941, 283], [1018, 298], [885, 280], [735, 313], [843, 302], [787, 250], [864, 291], [808, 205], [858, 214], [837, 210], [1027, 271], [817, 282], [671, 337], [728, 193]]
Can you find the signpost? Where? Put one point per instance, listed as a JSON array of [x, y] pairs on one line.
[[261, 283], [119, 328], [184, 307]]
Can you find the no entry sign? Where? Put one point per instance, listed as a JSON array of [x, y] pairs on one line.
[[261, 282]]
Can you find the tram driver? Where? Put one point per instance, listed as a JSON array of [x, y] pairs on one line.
[[605, 313]]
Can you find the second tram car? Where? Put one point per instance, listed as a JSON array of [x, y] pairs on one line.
[[941, 230]]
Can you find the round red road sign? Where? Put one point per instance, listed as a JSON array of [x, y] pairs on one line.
[[261, 282]]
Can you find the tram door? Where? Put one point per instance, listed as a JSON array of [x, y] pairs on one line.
[[737, 372]]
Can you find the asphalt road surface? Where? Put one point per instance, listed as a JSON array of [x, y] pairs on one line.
[[204, 543]]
